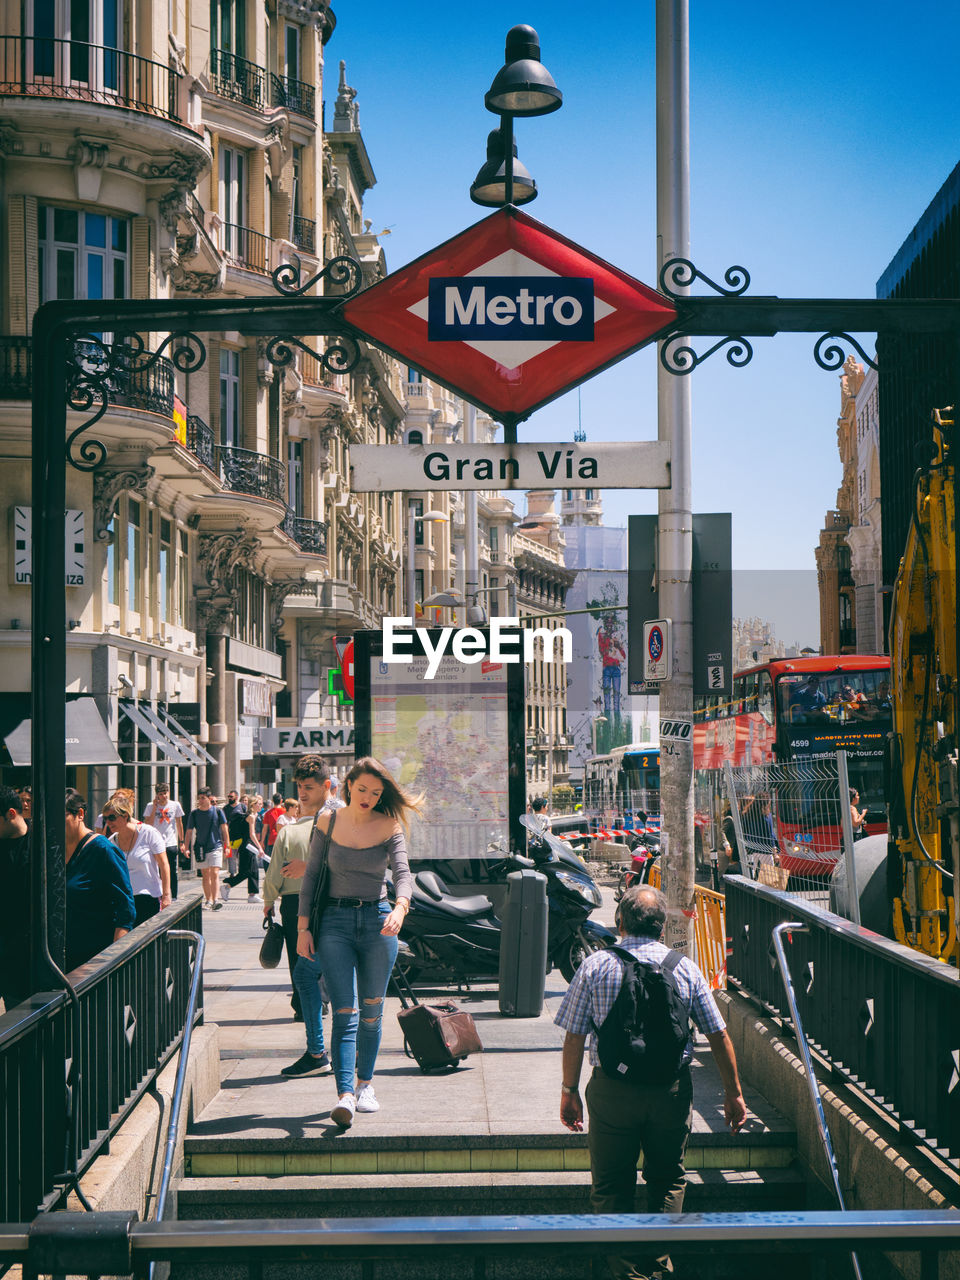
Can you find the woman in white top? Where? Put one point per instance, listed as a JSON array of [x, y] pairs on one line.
[[145, 853]]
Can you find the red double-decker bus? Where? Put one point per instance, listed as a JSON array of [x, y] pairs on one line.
[[791, 709]]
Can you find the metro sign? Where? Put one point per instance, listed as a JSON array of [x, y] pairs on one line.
[[510, 314]]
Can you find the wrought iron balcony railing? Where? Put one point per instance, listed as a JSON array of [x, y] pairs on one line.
[[38, 67], [246, 248], [294, 95], [200, 441], [235, 78], [16, 369], [151, 388], [304, 234], [309, 535], [243, 471]]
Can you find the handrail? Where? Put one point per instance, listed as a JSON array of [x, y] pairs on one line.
[[177, 1099], [797, 926]]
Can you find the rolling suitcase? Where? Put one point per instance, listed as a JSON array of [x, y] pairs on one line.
[[437, 1036]]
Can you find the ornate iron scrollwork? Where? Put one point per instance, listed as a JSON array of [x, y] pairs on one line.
[[343, 273], [683, 359], [98, 372], [341, 356], [680, 273], [831, 356]]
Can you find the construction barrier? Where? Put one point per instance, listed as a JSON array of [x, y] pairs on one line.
[[709, 932]]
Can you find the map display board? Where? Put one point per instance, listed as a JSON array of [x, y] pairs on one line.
[[457, 738]]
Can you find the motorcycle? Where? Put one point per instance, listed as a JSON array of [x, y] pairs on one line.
[[645, 852], [457, 939]]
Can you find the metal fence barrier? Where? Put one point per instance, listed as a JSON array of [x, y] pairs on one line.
[[793, 824], [115, 1244], [883, 1016], [133, 1000]]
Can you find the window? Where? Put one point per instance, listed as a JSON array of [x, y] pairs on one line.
[[291, 51], [74, 41], [230, 434], [494, 540], [82, 255], [251, 609], [414, 375], [588, 495], [183, 577], [113, 563], [233, 199], [165, 568], [134, 555], [297, 172], [295, 476], [417, 506], [418, 584], [227, 26]]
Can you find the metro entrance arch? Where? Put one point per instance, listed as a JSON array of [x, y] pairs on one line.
[[74, 370]]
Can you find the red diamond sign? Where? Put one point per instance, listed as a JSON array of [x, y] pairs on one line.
[[510, 314]]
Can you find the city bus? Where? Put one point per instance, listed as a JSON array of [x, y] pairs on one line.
[[621, 784], [792, 709]]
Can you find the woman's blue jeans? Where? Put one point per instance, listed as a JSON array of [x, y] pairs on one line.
[[356, 960]]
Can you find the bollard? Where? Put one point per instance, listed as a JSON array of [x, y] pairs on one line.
[[523, 945]]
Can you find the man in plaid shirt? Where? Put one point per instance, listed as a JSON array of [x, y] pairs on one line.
[[626, 1118]]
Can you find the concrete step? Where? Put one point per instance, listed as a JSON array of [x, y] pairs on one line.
[[343, 1195]]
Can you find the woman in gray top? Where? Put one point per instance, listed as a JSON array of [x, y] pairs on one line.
[[358, 933]]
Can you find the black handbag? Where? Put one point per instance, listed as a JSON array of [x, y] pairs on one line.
[[322, 891], [271, 948]]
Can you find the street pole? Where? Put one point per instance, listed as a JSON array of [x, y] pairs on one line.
[[675, 532], [471, 581], [411, 563]]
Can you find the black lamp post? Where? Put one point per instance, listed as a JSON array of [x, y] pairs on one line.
[[522, 87]]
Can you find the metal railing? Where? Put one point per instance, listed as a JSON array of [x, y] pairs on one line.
[[246, 247], [200, 441], [244, 471], [235, 78], [309, 535], [294, 95], [133, 1001], [16, 368], [114, 1244], [196, 210], [304, 233], [39, 67], [883, 1016]]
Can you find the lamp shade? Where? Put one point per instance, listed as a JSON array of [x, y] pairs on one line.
[[489, 187], [523, 86]]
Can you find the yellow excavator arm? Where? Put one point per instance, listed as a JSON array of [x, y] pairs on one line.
[[923, 862]]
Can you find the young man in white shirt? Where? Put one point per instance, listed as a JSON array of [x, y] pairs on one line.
[[166, 816]]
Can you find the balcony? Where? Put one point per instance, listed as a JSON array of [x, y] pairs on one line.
[[16, 370], [243, 471], [309, 535], [200, 441], [304, 234], [150, 389], [237, 79], [294, 95], [35, 67], [246, 248]]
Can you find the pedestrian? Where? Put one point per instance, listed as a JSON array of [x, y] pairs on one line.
[[291, 812], [166, 816], [99, 896], [15, 879], [143, 848], [207, 837], [269, 832], [626, 1116], [357, 942], [26, 799], [284, 878], [242, 831], [857, 816], [730, 862]]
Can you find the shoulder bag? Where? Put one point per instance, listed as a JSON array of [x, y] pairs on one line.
[[322, 892], [271, 948]]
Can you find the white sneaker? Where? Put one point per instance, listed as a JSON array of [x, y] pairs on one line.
[[342, 1113], [254, 897], [207, 905], [225, 892], [367, 1099]]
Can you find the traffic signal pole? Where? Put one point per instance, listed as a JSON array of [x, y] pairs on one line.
[[675, 522]]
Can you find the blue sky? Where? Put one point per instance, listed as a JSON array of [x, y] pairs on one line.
[[816, 142]]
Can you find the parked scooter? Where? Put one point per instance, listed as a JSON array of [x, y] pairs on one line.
[[457, 939], [646, 851]]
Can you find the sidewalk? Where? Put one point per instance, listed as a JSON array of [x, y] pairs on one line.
[[512, 1088]]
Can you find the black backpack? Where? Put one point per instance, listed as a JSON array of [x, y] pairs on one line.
[[644, 1035]]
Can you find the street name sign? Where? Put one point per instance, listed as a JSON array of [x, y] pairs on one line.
[[419, 467], [510, 314]]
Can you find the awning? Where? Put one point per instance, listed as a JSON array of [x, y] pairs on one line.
[[156, 733], [86, 739], [184, 740]]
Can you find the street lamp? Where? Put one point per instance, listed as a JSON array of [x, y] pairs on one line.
[[412, 521], [522, 87], [476, 614]]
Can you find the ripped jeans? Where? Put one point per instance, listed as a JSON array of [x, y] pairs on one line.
[[356, 960]]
